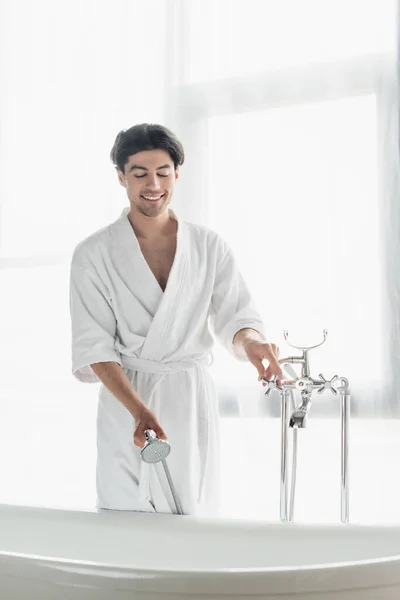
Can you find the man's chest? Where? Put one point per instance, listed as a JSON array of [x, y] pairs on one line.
[[160, 259]]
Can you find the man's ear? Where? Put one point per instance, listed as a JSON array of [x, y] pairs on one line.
[[121, 177], [177, 173]]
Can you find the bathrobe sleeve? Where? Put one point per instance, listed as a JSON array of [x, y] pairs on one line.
[[232, 308], [93, 324]]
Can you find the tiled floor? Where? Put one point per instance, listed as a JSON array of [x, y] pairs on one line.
[[47, 457]]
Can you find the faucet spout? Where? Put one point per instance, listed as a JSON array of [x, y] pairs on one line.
[[298, 418]]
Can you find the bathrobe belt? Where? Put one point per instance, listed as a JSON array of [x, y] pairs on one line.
[[145, 365]]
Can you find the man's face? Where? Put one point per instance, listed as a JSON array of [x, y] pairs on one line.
[[149, 179]]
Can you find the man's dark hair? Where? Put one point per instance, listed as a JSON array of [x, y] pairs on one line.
[[146, 137]]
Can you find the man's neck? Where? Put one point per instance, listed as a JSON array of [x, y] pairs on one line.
[[150, 228]]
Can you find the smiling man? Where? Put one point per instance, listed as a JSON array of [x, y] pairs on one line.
[[147, 292]]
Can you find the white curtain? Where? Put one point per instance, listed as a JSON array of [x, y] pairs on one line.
[[72, 75], [288, 112]]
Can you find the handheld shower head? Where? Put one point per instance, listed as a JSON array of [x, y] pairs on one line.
[[154, 450]]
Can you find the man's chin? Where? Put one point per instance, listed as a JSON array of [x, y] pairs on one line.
[[153, 210]]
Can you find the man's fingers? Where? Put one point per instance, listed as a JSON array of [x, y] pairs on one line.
[[260, 368], [139, 439], [274, 365], [160, 433], [158, 430], [274, 369], [269, 374], [275, 350]]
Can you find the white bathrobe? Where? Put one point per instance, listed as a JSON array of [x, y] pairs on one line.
[[164, 343]]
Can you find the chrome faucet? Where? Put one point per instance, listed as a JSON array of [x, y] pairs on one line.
[[297, 419]]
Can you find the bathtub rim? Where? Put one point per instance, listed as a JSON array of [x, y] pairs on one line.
[[182, 571], [208, 520], [319, 578], [376, 575]]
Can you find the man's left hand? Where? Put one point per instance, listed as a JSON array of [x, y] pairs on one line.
[[257, 351]]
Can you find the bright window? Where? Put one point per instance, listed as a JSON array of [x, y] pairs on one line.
[[231, 38], [294, 190]]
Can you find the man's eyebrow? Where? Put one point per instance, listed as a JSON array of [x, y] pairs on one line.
[[145, 168]]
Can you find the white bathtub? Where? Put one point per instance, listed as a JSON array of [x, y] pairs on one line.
[[56, 555]]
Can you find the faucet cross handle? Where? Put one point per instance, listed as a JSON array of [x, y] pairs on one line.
[[270, 385], [328, 384], [304, 348]]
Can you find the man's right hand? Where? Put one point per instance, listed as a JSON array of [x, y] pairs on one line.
[[116, 381], [146, 419]]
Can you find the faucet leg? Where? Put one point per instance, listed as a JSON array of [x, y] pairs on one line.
[[345, 418], [284, 489]]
